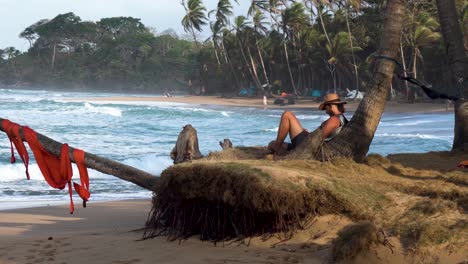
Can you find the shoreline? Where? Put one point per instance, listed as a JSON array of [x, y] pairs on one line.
[[301, 103]]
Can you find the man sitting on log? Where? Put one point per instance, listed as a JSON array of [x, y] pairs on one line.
[[289, 124]]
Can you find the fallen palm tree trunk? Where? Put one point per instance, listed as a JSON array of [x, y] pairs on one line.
[[107, 166]]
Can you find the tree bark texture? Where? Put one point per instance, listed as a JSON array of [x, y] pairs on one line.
[[454, 48], [107, 166]]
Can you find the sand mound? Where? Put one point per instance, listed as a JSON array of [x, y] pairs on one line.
[[233, 194]]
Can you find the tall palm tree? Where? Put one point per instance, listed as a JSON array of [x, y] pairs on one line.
[[356, 137], [194, 17], [356, 4], [259, 28], [453, 38], [424, 34], [221, 29], [338, 51], [293, 19], [240, 25]]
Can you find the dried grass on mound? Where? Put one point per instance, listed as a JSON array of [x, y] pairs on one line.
[[355, 239], [237, 194], [224, 200]]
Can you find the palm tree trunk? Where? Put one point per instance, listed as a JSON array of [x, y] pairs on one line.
[[228, 60], [323, 24], [216, 53], [259, 86], [403, 62], [53, 56], [355, 138], [289, 68], [254, 69], [352, 52], [263, 64], [194, 36], [453, 38]]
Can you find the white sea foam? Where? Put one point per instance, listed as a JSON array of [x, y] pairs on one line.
[[417, 135], [271, 129], [113, 111], [312, 117], [409, 123]]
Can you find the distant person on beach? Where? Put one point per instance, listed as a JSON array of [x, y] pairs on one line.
[[289, 124]]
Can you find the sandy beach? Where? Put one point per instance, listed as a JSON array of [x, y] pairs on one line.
[[301, 103], [109, 232]]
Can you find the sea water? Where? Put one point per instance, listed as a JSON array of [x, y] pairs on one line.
[[142, 134]]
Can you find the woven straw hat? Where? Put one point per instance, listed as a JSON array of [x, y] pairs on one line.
[[330, 99]]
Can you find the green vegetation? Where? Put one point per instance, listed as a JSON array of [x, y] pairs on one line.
[[291, 46]]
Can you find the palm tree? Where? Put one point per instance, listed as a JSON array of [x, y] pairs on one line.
[[240, 25], [338, 50], [453, 38], [356, 4], [293, 19], [194, 17], [424, 34], [356, 137], [259, 28], [220, 30]]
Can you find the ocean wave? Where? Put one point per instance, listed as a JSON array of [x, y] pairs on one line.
[[113, 111], [417, 135], [305, 117], [312, 117], [410, 123], [271, 129], [150, 163]]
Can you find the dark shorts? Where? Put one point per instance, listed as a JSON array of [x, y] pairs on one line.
[[297, 140]]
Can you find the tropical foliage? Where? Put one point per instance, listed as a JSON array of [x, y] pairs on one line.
[[287, 46]]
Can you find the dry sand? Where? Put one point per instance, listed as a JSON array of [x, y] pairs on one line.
[[302, 103], [109, 233]]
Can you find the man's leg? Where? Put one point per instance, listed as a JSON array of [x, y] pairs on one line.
[[288, 125]]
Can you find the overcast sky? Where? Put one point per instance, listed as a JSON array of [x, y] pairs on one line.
[[158, 14]]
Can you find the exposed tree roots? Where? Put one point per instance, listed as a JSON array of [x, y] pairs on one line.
[[234, 200]]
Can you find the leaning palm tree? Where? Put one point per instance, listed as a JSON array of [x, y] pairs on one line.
[[453, 38], [259, 28], [194, 17], [240, 25], [355, 138]]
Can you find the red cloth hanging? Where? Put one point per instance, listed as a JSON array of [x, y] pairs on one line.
[[56, 171], [83, 189], [12, 131]]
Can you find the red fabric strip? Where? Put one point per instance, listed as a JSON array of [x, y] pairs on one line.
[[12, 130]]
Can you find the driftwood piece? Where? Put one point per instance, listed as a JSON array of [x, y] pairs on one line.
[[225, 144], [186, 148], [107, 166]]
